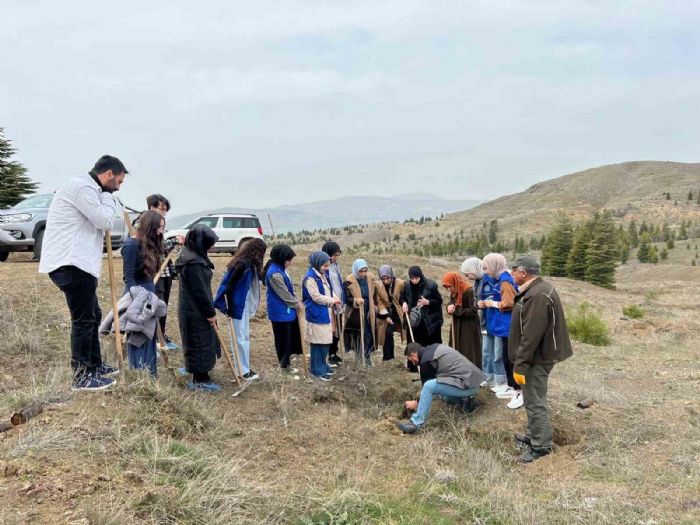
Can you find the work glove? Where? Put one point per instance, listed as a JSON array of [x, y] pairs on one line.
[[519, 378]]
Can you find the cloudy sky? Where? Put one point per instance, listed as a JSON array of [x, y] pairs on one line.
[[264, 103]]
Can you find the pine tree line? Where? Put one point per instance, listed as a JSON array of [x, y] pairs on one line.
[[588, 252]]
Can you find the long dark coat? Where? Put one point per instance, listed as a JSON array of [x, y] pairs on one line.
[[432, 313], [467, 328], [199, 342]]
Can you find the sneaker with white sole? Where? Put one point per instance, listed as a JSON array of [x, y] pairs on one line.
[[506, 394], [517, 401], [250, 376], [106, 370], [92, 383], [499, 388], [484, 384]]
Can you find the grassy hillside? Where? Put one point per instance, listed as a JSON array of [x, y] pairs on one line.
[[286, 452]]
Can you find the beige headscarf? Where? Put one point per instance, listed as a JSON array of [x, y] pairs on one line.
[[495, 264]]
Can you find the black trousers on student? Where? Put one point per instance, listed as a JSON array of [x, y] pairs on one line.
[[80, 289], [163, 288]]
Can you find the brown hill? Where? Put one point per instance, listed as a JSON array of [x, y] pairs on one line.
[[633, 190]]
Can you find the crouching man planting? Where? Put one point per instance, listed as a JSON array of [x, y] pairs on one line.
[[445, 373]]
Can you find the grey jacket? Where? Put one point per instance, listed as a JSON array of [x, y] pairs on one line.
[[451, 367], [142, 315]]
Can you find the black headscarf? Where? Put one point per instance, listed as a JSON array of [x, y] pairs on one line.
[[415, 271], [198, 241], [279, 254], [331, 248]]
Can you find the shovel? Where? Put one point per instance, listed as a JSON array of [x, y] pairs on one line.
[[304, 358], [113, 290], [224, 350]]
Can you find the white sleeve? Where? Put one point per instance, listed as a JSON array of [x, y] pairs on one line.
[[99, 211]]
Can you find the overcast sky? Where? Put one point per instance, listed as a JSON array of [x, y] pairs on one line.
[[257, 104]]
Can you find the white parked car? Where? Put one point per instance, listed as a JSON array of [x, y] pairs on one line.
[[233, 229]]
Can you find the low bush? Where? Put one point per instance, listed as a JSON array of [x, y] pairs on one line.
[[633, 311], [587, 326]]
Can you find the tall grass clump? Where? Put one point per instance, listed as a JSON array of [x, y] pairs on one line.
[[586, 325], [633, 311]]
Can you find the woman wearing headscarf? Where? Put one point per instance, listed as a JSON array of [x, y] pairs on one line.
[[498, 315], [196, 314], [473, 269], [389, 314], [238, 296], [465, 317], [422, 301], [282, 305], [335, 280], [318, 302], [359, 300]]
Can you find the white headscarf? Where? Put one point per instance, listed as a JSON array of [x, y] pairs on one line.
[[473, 265]]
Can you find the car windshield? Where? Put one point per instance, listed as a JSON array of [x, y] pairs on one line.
[[37, 201]]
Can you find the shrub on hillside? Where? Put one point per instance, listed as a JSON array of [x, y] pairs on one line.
[[587, 326], [633, 311]]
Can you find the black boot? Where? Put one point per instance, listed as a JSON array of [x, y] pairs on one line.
[[534, 454]]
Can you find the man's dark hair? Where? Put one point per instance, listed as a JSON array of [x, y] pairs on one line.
[[155, 200], [106, 163], [412, 348], [331, 248]]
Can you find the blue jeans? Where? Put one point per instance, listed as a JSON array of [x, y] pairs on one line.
[[432, 388], [319, 360], [493, 364], [143, 356]]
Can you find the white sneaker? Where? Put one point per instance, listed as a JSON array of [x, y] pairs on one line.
[[499, 388], [484, 384], [517, 401], [506, 394]]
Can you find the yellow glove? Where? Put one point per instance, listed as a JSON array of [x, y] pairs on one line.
[[519, 378]]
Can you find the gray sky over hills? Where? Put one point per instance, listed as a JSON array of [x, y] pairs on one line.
[[259, 104]]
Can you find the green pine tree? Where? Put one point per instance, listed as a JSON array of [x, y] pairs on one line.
[[15, 186], [644, 250], [633, 234], [577, 262], [683, 231], [603, 251], [555, 252]]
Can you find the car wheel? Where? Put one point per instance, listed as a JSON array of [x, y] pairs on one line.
[[4, 256], [38, 242]]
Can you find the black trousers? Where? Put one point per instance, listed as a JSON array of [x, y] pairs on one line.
[[388, 346], [80, 288], [287, 341], [163, 288], [509, 366]]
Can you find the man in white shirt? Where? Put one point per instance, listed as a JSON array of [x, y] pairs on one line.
[[80, 213]]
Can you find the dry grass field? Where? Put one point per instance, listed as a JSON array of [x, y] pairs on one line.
[[288, 452]]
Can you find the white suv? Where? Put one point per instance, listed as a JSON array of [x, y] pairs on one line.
[[233, 229]]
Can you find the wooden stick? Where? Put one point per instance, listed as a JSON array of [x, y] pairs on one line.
[[274, 235], [112, 287], [361, 353], [168, 258], [127, 220], [224, 350], [163, 346], [410, 328], [307, 373]]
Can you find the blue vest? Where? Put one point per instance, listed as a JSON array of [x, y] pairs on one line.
[[236, 301], [315, 313], [277, 310], [497, 322]]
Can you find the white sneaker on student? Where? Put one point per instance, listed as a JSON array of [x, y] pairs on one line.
[[506, 394], [484, 384], [499, 388], [517, 401]]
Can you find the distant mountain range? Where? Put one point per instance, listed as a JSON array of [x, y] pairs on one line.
[[342, 211]]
